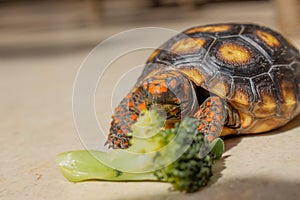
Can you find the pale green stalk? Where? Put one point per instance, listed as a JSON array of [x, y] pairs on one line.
[[82, 165]]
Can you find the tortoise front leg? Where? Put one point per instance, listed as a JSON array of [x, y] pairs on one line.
[[211, 115], [125, 116]]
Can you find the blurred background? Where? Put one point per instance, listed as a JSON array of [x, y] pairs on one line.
[[41, 27], [42, 45]]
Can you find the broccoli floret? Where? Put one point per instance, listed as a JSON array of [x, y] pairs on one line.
[[180, 164], [191, 170]]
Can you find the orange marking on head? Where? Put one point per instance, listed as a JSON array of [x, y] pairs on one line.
[[117, 121], [142, 106], [158, 87], [187, 45], [120, 131], [268, 38], [210, 29], [234, 54]]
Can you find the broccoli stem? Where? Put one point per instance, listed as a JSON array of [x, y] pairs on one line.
[[81, 165]]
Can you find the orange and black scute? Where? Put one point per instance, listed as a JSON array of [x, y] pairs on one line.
[[254, 70]]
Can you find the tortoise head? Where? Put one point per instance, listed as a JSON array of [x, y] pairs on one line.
[[169, 89], [172, 90]]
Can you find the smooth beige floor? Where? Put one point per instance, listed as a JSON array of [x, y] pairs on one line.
[[36, 124]]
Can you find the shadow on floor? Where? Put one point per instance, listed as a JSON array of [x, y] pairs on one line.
[[250, 188], [233, 141]]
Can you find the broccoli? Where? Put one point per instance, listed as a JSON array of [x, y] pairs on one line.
[[157, 154]]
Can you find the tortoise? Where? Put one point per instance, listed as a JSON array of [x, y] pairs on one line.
[[234, 78]]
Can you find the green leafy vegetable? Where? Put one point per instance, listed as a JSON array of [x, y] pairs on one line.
[[157, 154]]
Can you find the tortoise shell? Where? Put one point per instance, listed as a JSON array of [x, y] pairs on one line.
[[253, 68]]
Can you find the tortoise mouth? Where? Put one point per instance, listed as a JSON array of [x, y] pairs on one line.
[[178, 111], [173, 111]]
